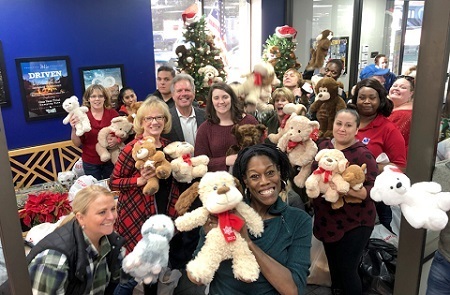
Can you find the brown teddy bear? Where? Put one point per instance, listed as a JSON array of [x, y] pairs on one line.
[[320, 50], [246, 135], [134, 108], [145, 154], [120, 128], [332, 163], [355, 176], [326, 106], [298, 144], [184, 167]]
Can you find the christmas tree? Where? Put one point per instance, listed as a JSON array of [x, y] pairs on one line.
[[279, 50], [200, 58]]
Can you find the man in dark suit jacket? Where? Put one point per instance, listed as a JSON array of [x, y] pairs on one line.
[[185, 117]]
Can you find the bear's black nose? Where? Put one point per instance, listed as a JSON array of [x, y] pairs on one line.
[[399, 185]]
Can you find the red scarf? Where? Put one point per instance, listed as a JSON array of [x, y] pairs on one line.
[[257, 79], [292, 144], [187, 159], [229, 222], [327, 175]]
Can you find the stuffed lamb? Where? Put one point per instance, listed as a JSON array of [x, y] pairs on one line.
[[423, 204], [72, 106], [151, 254]]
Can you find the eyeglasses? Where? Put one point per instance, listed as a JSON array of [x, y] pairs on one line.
[[157, 119]]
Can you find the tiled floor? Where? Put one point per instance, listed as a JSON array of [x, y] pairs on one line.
[[317, 290]]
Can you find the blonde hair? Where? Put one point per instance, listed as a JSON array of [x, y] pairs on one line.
[[105, 92], [151, 103], [282, 92], [84, 198]]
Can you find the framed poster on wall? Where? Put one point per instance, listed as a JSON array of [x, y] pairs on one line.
[[45, 82], [4, 93], [111, 77]]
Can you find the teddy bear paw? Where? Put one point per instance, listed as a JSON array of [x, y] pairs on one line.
[[105, 157]]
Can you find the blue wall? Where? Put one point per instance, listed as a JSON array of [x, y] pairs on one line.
[[91, 33]]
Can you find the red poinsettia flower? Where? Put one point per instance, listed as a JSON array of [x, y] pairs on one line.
[[286, 32], [43, 207]]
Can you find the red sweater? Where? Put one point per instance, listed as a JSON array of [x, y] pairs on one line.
[[402, 119], [89, 139], [214, 140]]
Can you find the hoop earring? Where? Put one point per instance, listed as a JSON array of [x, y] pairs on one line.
[[283, 184], [83, 226]]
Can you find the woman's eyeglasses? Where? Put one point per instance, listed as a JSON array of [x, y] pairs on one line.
[[157, 119]]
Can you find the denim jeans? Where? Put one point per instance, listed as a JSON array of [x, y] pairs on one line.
[[101, 171], [439, 276], [125, 288]]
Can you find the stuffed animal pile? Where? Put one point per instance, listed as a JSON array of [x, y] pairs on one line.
[[297, 142], [257, 88], [326, 106], [219, 195], [320, 50], [210, 75], [423, 204], [151, 253], [120, 128], [72, 106], [184, 167], [246, 135], [145, 154], [332, 163]]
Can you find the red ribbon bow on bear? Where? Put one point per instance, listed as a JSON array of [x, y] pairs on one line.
[[257, 80], [229, 222], [327, 173], [187, 159]]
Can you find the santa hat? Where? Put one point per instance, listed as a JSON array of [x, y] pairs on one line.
[[190, 16]]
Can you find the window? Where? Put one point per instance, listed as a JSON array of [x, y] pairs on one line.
[[230, 23]]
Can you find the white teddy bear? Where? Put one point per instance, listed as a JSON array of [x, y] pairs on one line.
[[151, 253], [423, 204], [210, 75], [72, 106], [184, 167]]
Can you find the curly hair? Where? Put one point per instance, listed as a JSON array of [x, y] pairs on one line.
[[386, 104]]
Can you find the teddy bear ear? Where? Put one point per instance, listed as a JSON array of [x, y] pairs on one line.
[[235, 129], [342, 164], [186, 199], [238, 185]]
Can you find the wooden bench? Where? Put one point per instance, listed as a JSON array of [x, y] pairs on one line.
[[41, 164]]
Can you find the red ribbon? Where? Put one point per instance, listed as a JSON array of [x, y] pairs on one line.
[[292, 144], [314, 135], [257, 79], [327, 173], [210, 81], [119, 140], [284, 120], [229, 222], [187, 159]]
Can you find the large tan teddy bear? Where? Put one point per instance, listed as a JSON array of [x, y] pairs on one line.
[[219, 195], [332, 163], [257, 88], [288, 109], [120, 128], [297, 142], [326, 106], [355, 176], [184, 167], [145, 154]]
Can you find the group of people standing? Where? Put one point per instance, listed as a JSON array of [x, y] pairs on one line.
[[363, 132]]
